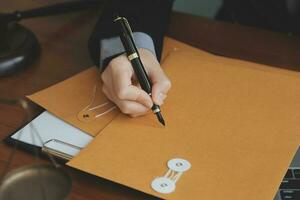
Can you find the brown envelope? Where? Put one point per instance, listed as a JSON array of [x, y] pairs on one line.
[[236, 122], [66, 99]]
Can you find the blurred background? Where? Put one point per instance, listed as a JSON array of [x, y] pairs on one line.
[[276, 15], [198, 7]]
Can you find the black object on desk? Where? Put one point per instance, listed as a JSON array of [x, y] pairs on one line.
[[19, 46], [290, 185], [134, 58]]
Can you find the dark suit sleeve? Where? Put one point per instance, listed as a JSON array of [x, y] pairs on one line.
[[148, 16], [261, 13]]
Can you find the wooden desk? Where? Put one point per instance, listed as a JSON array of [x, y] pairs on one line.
[[64, 53]]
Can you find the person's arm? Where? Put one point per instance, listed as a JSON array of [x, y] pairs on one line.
[[148, 19]]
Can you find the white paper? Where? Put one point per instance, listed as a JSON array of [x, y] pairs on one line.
[[50, 127]]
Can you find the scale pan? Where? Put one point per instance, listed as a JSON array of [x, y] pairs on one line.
[[36, 182]]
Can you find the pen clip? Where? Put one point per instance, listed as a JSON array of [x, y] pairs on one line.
[[128, 28]]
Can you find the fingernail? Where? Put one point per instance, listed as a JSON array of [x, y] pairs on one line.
[[149, 104], [161, 97]]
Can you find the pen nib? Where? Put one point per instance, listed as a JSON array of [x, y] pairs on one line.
[[160, 118]]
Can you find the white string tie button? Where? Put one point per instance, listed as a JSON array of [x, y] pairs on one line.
[[167, 184]]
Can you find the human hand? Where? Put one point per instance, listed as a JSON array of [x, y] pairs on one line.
[[121, 87]]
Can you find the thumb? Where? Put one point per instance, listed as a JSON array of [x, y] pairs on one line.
[[160, 87]]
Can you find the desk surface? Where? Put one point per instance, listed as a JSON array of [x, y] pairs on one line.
[[64, 53]]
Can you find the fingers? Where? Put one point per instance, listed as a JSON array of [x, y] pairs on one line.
[[139, 114], [160, 82], [126, 91], [161, 86], [122, 74], [126, 106], [119, 87]]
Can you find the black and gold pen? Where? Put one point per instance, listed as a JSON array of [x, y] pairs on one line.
[[134, 58]]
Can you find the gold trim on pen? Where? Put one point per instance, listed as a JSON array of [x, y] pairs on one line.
[[156, 110], [126, 24], [133, 56], [118, 18]]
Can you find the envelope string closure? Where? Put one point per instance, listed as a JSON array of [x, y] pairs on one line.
[[167, 184], [90, 113]]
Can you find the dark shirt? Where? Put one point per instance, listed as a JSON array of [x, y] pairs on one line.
[[148, 16]]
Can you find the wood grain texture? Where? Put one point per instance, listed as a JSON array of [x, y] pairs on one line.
[[236, 41]]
